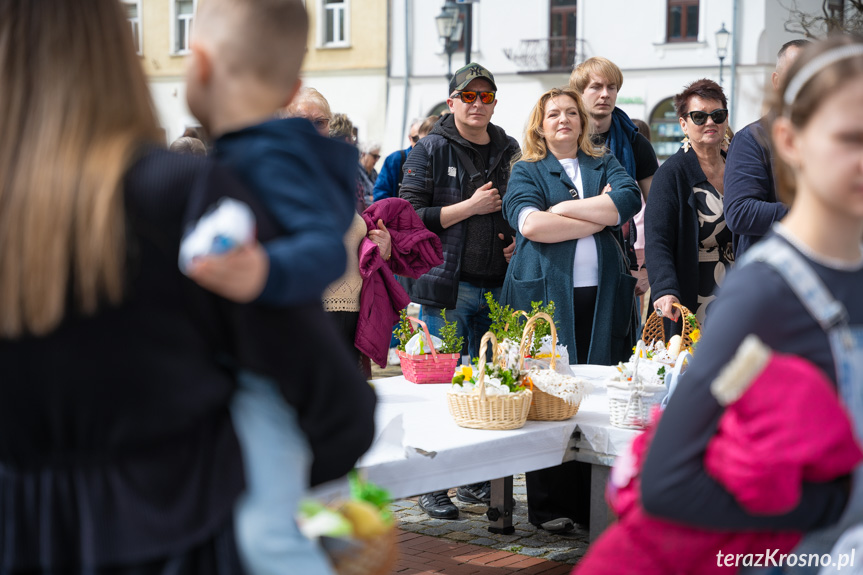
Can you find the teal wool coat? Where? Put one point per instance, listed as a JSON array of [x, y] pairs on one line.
[[540, 271]]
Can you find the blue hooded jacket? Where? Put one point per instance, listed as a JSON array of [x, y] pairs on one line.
[[307, 182]]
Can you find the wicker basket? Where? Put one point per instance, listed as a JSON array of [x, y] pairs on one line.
[[630, 402], [489, 411], [544, 407], [431, 367], [654, 330], [377, 556], [630, 405]]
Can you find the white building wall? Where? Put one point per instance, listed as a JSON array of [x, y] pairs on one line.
[[359, 94], [169, 97]]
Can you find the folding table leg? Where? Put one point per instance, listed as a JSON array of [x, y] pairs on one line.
[[600, 515], [500, 509]]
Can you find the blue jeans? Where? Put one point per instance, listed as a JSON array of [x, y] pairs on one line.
[[471, 314], [276, 460]]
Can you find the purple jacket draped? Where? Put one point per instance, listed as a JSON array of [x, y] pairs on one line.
[[415, 250]]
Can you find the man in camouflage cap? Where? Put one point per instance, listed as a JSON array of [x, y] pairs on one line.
[[455, 179]]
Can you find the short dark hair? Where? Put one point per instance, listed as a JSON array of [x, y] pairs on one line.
[[798, 43], [705, 89]]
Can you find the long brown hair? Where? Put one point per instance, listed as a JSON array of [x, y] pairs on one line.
[[827, 80], [73, 109], [534, 148]]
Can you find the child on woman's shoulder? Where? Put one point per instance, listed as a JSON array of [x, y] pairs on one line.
[[244, 67]]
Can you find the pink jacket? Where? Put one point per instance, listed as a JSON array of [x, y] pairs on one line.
[[788, 426], [415, 250]]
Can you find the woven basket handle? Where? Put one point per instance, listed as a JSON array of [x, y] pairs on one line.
[[527, 338], [483, 348], [423, 325], [686, 329], [654, 330]]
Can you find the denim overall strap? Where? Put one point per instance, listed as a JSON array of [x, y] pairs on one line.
[[802, 279], [846, 344]]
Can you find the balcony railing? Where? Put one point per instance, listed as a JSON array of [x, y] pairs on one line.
[[555, 54]]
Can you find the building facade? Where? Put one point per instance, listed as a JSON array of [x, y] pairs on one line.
[[381, 61], [346, 58], [660, 45]]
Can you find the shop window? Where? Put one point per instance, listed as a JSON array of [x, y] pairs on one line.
[[665, 130]]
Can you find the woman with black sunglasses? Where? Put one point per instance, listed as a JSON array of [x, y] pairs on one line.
[[687, 243]]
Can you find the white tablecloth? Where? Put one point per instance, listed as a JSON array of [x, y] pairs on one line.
[[419, 448]]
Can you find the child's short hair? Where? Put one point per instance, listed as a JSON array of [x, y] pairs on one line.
[[265, 37]]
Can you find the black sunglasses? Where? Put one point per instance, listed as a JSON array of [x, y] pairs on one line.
[[415, 139], [699, 118]]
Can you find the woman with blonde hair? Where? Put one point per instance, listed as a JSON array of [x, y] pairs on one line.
[[117, 452], [566, 200]]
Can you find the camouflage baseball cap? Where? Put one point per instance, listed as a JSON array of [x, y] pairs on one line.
[[466, 74]]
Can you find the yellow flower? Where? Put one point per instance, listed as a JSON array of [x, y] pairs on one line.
[[467, 371], [695, 334]]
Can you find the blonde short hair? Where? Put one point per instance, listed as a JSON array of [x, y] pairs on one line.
[[597, 66], [307, 94]]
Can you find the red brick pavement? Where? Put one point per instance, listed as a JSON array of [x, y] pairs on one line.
[[424, 555]]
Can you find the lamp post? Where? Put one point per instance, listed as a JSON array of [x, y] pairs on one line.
[[449, 29], [722, 37]]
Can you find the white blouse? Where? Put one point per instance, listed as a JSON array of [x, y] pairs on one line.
[[585, 268]]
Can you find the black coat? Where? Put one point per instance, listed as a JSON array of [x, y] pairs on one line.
[[671, 229], [116, 443], [433, 178]]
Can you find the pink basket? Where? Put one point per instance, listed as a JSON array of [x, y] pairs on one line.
[[428, 368]]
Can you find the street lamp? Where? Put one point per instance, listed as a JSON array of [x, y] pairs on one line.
[[722, 37], [449, 29]]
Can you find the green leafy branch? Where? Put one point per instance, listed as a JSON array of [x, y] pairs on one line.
[[506, 323], [452, 342], [403, 330], [541, 328]]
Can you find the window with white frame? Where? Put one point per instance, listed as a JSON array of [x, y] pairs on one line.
[[184, 13], [335, 23], [133, 15]]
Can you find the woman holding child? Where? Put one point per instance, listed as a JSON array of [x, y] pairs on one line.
[[799, 291], [117, 450], [566, 199]]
